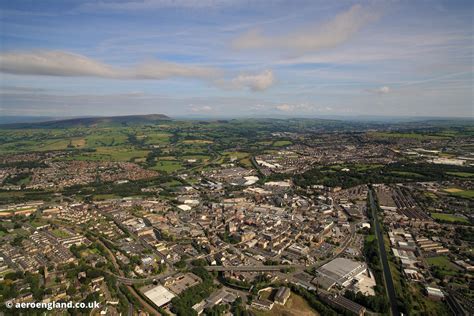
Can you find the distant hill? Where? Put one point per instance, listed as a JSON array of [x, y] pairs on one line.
[[92, 121], [13, 119]]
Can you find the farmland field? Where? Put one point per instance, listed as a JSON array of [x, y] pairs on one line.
[[167, 166]]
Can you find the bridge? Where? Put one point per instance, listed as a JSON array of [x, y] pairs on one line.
[[253, 268]]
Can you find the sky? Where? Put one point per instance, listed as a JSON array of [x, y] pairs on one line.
[[237, 58]]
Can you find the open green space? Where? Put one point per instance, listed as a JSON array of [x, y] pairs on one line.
[[370, 238], [167, 166], [60, 233], [375, 173], [123, 154], [295, 306], [407, 174], [99, 197], [157, 138], [197, 157], [418, 136], [467, 194], [235, 154], [440, 261], [462, 174], [106, 140], [420, 304], [38, 223], [197, 141], [281, 143], [449, 217]]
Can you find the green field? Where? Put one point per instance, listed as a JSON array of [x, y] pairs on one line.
[[407, 174], [235, 154], [370, 238], [442, 262], [407, 135], [109, 138], [122, 154], [197, 141], [157, 138], [281, 143], [118, 153], [467, 194], [99, 197], [449, 218], [197, 157], [38, 223], [461, 174], [168, 166], [59, 233]]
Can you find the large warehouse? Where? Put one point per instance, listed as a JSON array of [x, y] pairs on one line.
[[340, 271], [159, 295]]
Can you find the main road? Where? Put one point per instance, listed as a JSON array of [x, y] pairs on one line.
[[383, 257]]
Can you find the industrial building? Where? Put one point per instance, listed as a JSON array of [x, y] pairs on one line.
[[282, 295], [340, 271], [159, 295]]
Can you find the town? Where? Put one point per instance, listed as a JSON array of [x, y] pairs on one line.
[[276, 220]]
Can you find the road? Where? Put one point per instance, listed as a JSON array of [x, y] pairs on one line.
[[383, 256], [131, 281], [132, 291], [253, 268]]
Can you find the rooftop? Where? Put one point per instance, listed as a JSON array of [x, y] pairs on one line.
[[159, 295]]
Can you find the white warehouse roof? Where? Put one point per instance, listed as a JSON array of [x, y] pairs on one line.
[[159, 295]]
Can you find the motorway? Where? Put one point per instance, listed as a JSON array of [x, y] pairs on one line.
[[383, 256]]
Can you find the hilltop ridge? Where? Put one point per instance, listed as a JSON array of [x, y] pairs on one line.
[[92, 121]]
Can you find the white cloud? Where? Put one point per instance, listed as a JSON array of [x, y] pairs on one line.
[[383, 90], [65, 64], [255, 82], [302, 107], [201, 109], [285, 107], [313, 37]]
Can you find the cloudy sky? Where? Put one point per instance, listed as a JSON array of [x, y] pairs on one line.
[[237, 58]]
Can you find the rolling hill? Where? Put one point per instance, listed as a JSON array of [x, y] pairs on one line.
[[92, 122]]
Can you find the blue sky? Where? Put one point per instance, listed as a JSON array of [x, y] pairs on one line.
[[236, 58]]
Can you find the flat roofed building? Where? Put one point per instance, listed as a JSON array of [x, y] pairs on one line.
[[159, 295], [181, 282], [341, 302], [340, 271]]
